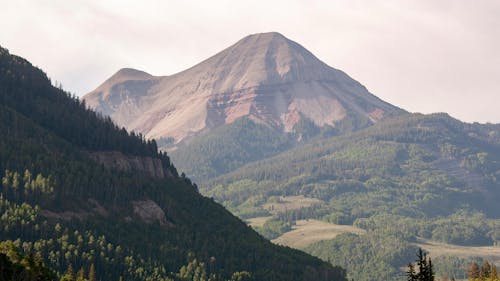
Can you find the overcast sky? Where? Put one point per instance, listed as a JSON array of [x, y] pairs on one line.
[[422, 55]]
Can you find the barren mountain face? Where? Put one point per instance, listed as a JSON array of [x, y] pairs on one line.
[[266, 77]]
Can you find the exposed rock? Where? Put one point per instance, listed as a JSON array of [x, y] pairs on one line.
[[266, 77], [117, 160], [149, 212]]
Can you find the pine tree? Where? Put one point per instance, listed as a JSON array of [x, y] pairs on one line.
[[494, 274], [429, 272], [473, 271], [80, 276], [69, 275], [92, 273], [425, 270], [411, 275], [485, 270]]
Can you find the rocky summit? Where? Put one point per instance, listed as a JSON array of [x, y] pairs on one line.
[[266, 77]]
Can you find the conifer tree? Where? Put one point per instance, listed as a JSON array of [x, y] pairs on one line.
[[485, 271], [92, 273], [494, 274], [473, 271], [80, 276], [425, 270], [69, 276], [411, 274]]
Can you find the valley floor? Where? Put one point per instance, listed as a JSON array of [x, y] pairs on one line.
[[490, 253], [306, 232]]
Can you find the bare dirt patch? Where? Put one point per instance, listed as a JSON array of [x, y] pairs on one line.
[[306, 232]]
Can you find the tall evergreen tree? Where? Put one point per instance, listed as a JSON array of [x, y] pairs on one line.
[[493, 274], [425, 270], [485, 270], [411, 274], [92, 273], [473, 271]]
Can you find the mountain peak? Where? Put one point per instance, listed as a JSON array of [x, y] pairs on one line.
[[266, 36], [129, 74], [266, 77], [121, 76], [268, 58]]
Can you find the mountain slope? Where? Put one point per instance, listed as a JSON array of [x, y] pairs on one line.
[[407, 177], [407, 150], [83, 193], [264, 77]]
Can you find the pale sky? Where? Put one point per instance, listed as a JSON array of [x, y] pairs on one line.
[[422, 55]]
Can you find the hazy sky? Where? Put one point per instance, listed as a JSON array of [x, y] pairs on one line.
[[422, 55]]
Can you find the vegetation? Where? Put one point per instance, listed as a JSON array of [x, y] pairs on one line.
[[374, 256], [273, 228], [486, 272], [410, 176], [14, 265], [229, 147], [57, 203], [422, 270]]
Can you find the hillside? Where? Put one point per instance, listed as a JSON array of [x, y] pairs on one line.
[[404, 152], [264, 77], [229, 147], [82, 193], [410, 176]]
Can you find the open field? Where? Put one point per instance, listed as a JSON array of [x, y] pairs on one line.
[[436, 249], [287, 203], [306, 232], [259, 221]]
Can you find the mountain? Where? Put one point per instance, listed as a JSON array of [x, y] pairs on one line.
[[264, 77], [276, 128], [403, 180], [83, 194]]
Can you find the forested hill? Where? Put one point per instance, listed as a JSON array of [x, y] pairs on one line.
[[405, 178], [109, 220], [429, 154]]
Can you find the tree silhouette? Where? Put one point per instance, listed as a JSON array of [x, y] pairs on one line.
[[425, 270]]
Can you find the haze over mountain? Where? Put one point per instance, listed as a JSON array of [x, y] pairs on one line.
[[265, 77]]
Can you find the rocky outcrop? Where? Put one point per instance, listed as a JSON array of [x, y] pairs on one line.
[[149, 212], [265, 77], [117, 160]]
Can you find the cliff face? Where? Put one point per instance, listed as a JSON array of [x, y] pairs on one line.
[[117, 160], [265, 77]]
